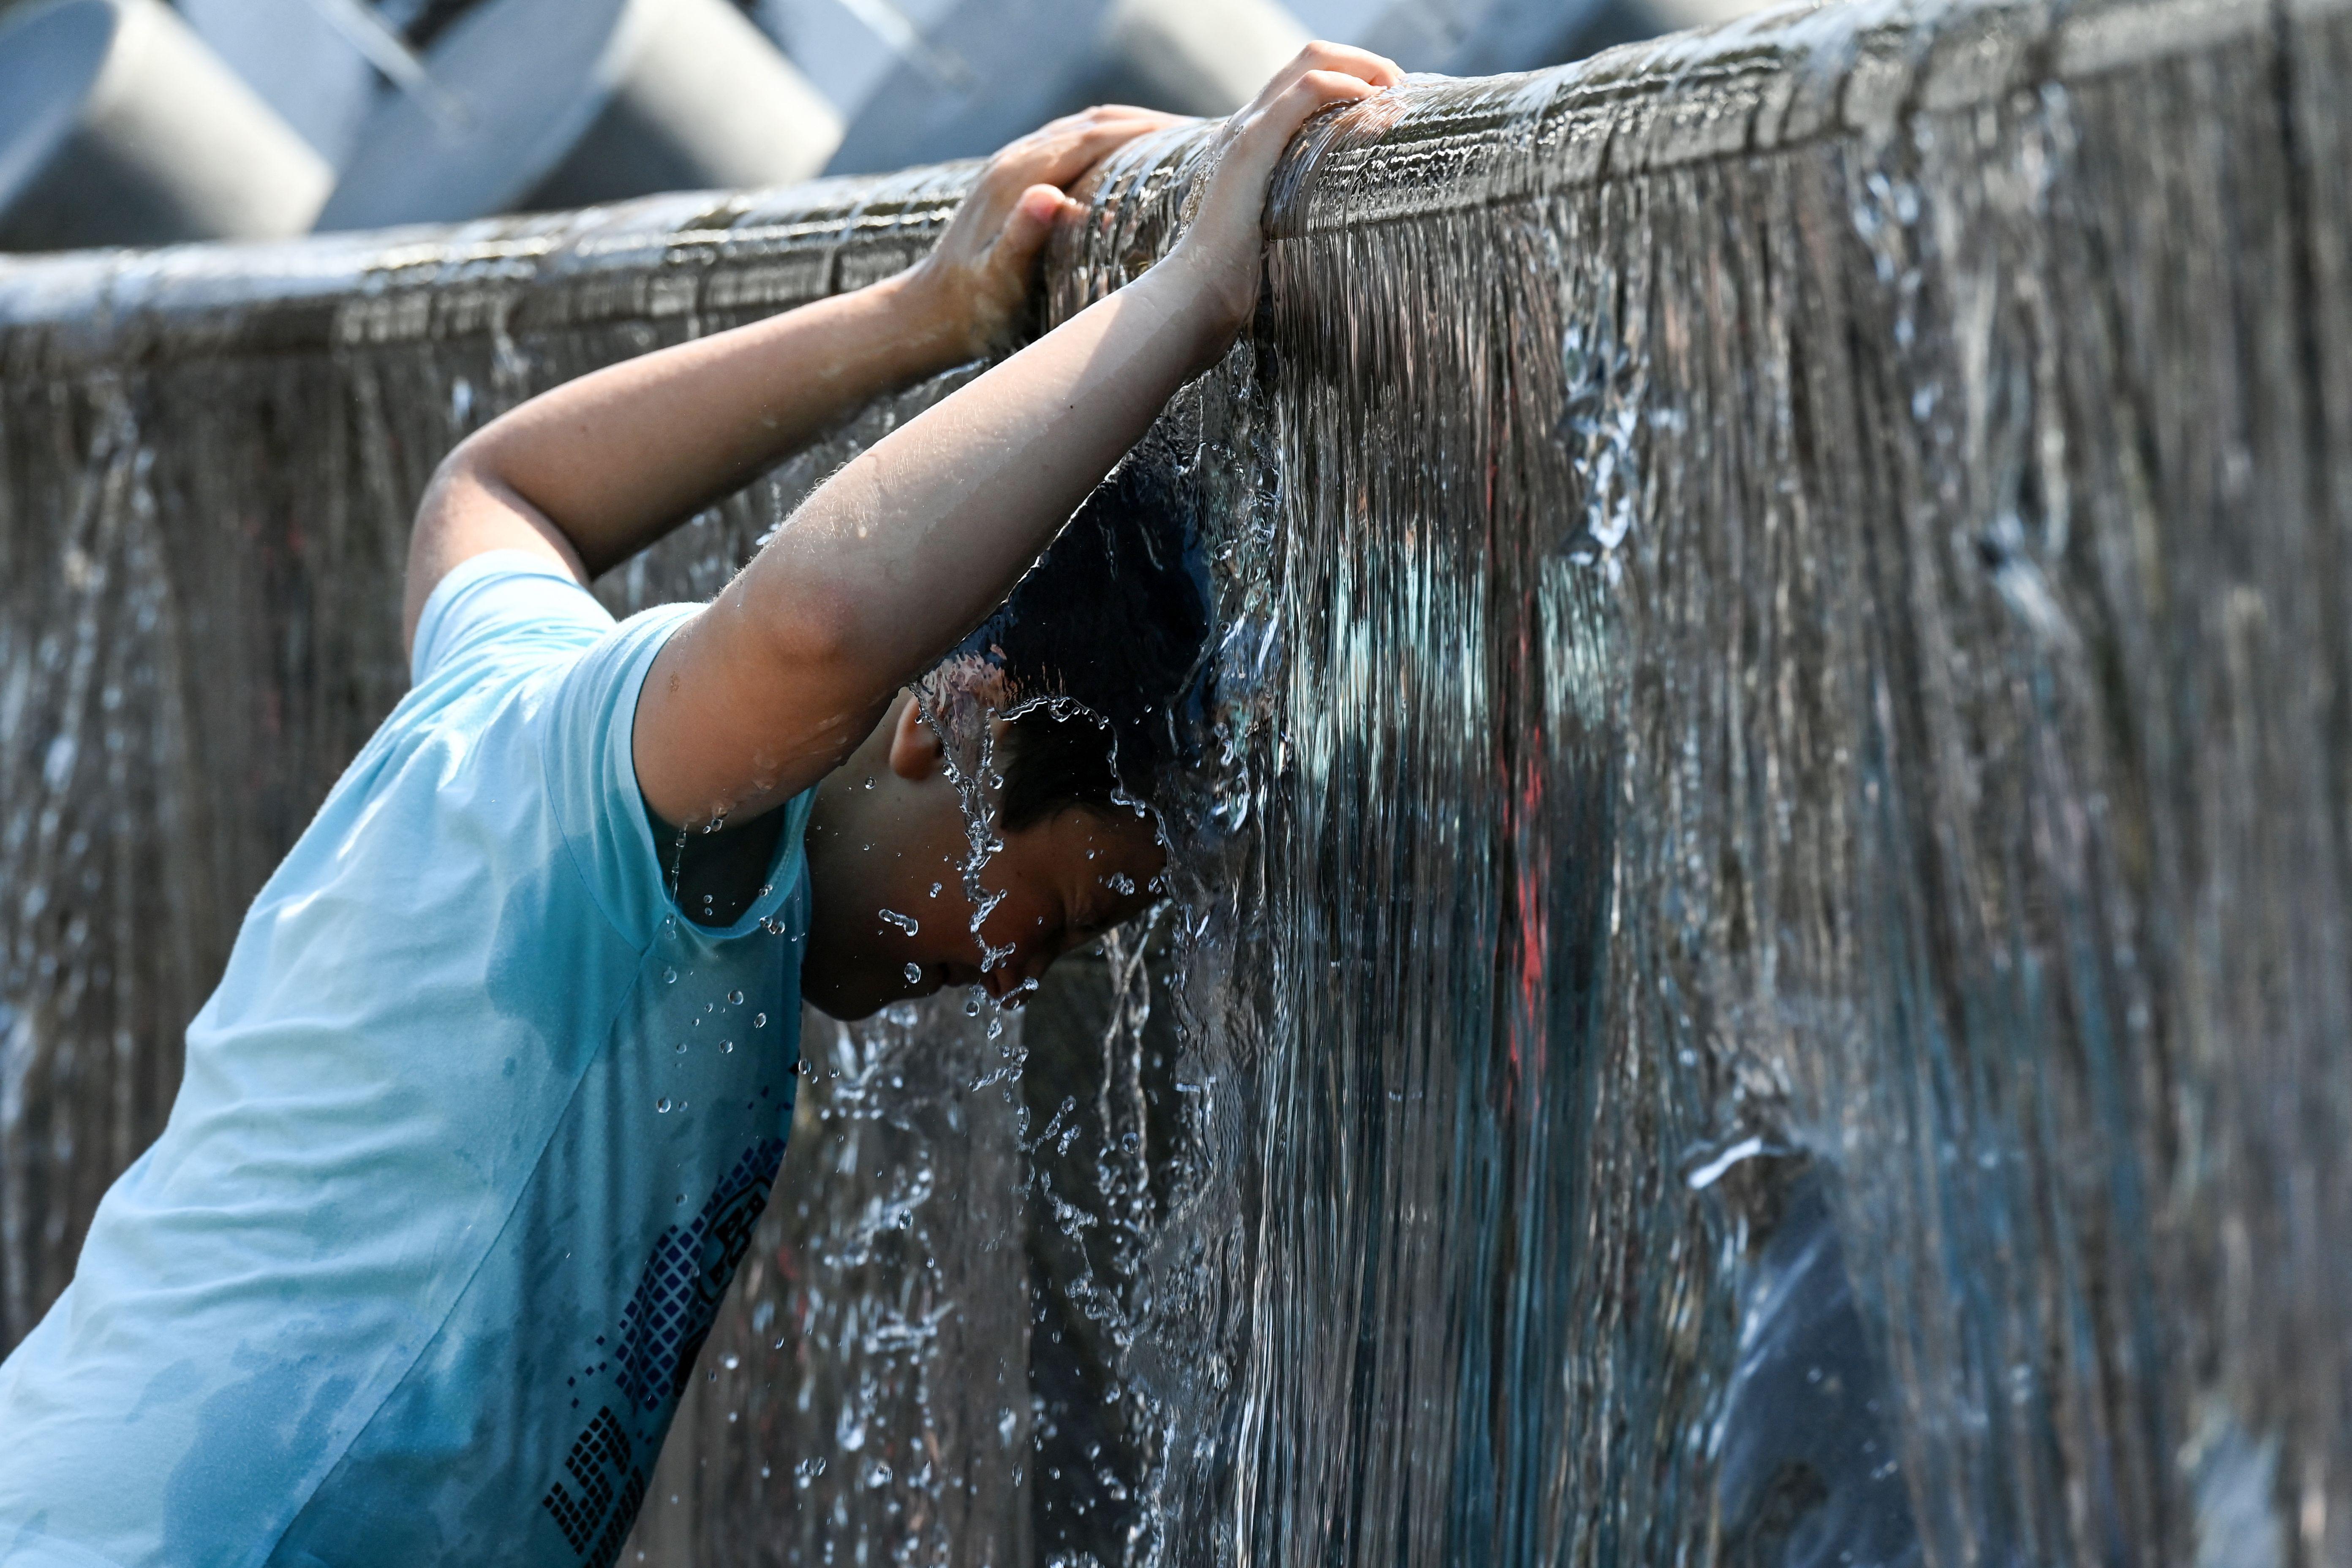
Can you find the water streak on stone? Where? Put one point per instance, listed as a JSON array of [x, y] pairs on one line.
[[1775, 804]]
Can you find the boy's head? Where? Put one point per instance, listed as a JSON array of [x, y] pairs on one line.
[[1088, 674]]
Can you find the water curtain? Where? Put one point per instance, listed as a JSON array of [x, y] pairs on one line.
[[1760, 964]]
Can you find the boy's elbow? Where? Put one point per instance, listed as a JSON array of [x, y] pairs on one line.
[[819, 634], [457, 477], [471, 505], [471, 462]]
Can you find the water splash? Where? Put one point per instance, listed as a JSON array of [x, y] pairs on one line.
[[1774, 787]]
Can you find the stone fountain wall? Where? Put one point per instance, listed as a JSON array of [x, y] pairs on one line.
[[1762, 963]]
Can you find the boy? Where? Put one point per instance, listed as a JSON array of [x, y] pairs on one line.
[[477, 1125]]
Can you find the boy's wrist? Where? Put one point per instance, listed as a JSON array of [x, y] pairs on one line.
[[1209, 296], [935, 316], [937, 322]]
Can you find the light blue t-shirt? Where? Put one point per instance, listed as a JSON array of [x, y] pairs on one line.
[[471, 1138]]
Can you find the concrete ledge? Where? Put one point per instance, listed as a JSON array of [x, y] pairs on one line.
[[1766, 82]]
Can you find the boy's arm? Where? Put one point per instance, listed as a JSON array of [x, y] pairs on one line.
[[600, 467], [902, 552]]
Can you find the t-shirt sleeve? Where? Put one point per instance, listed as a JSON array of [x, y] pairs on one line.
[[586, 726], [507, 625], [503, 603]]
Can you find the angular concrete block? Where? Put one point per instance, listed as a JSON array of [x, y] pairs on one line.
[[984, 71], [301, 56], [1476, 38], [540, 104], [979, 74], [1200, 56], [118, 126]]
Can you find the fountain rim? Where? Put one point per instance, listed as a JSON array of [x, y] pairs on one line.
[[1773, 82]]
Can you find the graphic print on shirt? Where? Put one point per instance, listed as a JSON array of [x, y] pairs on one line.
[[662, 1331], [601, 1466]]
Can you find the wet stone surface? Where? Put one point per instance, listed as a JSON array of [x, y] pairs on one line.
[[1771, 799]]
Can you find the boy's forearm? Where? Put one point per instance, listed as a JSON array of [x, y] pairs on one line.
[[904, 551], [917, 539], [596, 470], [617, 458]]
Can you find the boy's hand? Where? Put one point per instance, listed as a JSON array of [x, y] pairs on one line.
[[977, 278], [1224, 246]]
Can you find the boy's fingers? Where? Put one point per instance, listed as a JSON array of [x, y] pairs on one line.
[[1346, 59], [1258, 141], [1362, 64], [1053, 156], [1329, 86], [1315, 90], [1046, 144], [1074, 155], [1032, 219]]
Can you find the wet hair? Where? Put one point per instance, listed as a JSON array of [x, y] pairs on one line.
[[1050, 760], [1113, 619]]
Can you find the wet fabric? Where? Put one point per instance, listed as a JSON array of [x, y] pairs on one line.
[[472, 1136]]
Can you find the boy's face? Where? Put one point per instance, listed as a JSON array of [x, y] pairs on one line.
[[886, 847]]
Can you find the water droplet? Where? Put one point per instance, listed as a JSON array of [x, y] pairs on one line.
[[735, 998], [996, 1027], [904, 922], [971, 1002], [935, 888], [681, 1048], [758, 1020], [662, 1105], [730, 1360], [914, 974], [669, 976], [726, 1048]]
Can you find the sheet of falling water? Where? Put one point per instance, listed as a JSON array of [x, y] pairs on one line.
[[1759, 968], [1764, 940]]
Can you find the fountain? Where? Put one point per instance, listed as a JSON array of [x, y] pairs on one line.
[[1761, 946]]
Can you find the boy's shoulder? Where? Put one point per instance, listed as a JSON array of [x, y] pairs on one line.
[[503, 602]]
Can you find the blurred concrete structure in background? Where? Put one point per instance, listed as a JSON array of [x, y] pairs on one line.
[[449, 110], [927, 79], [1476, 38], [540, 104], [305, 57], [119, 127], [1194, 56], [966, 77]]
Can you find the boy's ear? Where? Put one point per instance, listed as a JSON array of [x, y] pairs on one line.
[[915, 748]]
